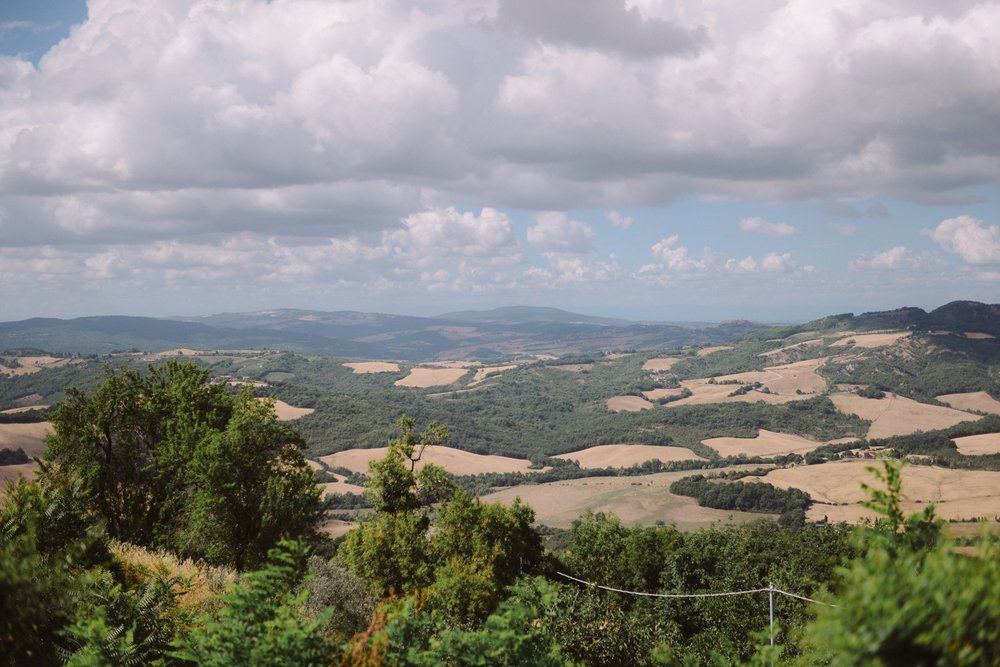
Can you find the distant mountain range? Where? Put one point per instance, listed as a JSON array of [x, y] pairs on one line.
[[483, 335]]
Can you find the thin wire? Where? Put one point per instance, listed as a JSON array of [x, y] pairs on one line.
[[694, 595]]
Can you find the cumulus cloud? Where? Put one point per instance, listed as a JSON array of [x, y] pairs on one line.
[[620, 221], [760, 226], [554, 230], [678, 259], [771, 263], [969, 238], [891, 259]]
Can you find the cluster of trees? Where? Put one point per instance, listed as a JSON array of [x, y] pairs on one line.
[[790, 504]]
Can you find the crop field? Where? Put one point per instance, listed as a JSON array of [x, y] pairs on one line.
[[895, 415], [12, 472], [453, 460], [767, 443], [979, 445], [32, 364], [287, 413], [623, 456], [641, 500], [423, 377], [979, 401], [29, 437], [628, 404], [660, 364], [836, 489], [872, 340], [362, 367], [482, 373], [705, 351]]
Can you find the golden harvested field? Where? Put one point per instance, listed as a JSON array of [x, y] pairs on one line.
[[640, 500], [11, 473], [628, 404], [895, 415], [793, 346], [372, 367], [422, 377], [872, 340], [453, 460], [660, 364], [767, 443], [976, 400], [656, 394], [287, 413], [573, 368], [30, 365], [481, 373], [978, 445], [974, 335], [26, 408], [781, 381], [29, 437], [705, 351], [960, 494], [623, 456], [341, 486], [334, 528]]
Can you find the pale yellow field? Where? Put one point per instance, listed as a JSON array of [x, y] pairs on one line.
[[640, 500], [960, 494], [372, 367], [287, 413], [623, 456], [978, 445], [973, 335], [705, 351], [30, 365], [315, 465], [453, 460], [793, 346], [656, 394], [11, 473], [660, 364], [334, 528], [481, 373], [26, 408], [767, 443], [782, 381], [422, 377], [895, 415], [873, 340], [976, 400], [29, 437], [628, 404], [340, 486], [573, 368]]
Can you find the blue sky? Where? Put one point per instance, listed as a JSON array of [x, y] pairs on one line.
[[773, 160]]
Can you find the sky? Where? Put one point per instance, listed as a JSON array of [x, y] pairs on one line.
[[667, 160]]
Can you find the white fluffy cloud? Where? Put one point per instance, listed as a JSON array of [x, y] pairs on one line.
[[891, 259], [760, 226], [771, 263], [554, 230], [620, 221], [969, 238]]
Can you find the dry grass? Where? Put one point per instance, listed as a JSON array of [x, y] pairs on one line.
[[975, 335], [656, 394], [960, 494], [895, 415], [793, 346], [287, 413], [640, 500], [767, 443], [334, 528], [481, 373], [660, 364], [29, 437], [341, 486], [979, 401], [10, 473], [26, 408], [360, 367], [979, 445], [705, 351], [201, 582], [453, 460], [573, 368], [422, 377], [31, 365], [628, 404], [785, 383], [623, 456], [873, 339]]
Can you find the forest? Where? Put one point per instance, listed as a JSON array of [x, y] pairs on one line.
[[174, 522]]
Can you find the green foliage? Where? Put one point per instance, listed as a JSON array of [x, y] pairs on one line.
[[745, 497], [171, 460], [261, 621], [339, 594]]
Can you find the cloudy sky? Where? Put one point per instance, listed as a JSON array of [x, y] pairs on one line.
[[649, 159]]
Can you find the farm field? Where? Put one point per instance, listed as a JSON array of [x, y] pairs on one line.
[[628, 404], [362, 367], [767, 443], [623, 456], [287, 413], [12, 472], [28, 365], [453, 460], [979, 445], [705, 351], [660, 363], [422, 377], [836, 489], [641, 500], [979, 401], [872, 340], [896, 415], [29, 437], [481, 373]]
